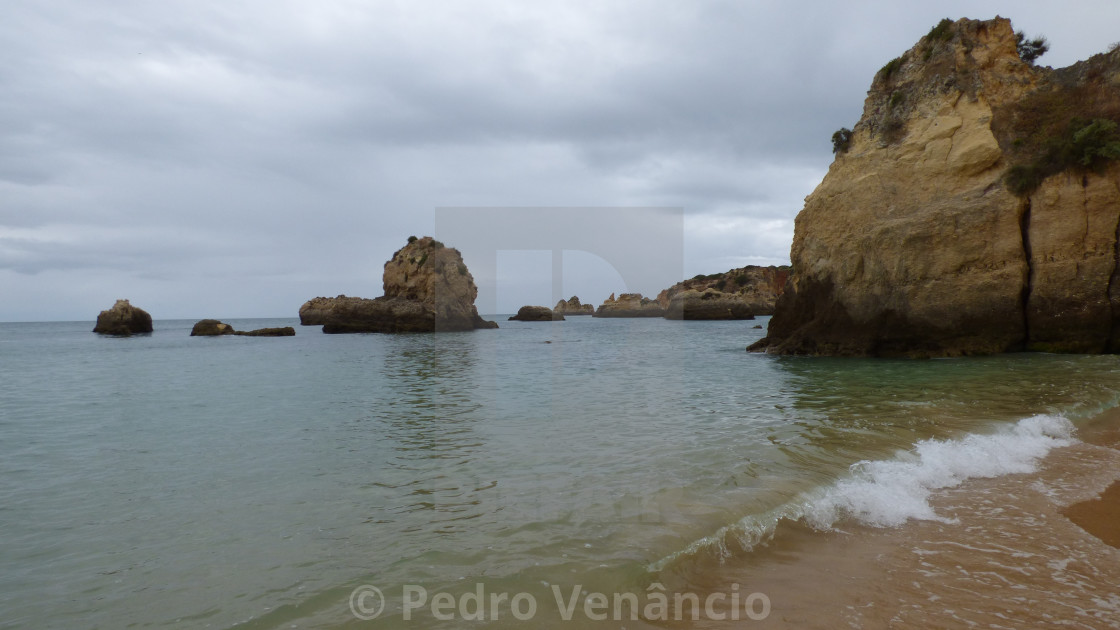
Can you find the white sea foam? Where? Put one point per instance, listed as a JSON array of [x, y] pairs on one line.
[[887, 493], [890, 492]]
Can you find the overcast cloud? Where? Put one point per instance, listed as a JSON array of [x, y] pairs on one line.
[[235, 158]]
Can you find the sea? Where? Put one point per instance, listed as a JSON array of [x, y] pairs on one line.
[[591, 473]]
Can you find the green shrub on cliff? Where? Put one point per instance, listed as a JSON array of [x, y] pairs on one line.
[[1096, 143], [841, 140], [943, 32], [1085, 145], [1030, 49], [892, 66], [1070, 123]]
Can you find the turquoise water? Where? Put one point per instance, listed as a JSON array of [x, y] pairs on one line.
[[256, 482]]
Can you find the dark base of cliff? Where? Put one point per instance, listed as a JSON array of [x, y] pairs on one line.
[[812, 322]]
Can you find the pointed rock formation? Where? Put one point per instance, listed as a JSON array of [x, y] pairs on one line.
[[573, 307], [427, 288]]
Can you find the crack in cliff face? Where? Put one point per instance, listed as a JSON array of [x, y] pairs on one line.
[[1113, 344], [1028, 284]]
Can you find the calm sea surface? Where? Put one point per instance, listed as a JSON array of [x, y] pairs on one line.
[[163, 480]]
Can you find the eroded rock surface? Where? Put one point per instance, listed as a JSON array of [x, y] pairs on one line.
[[629, 305], [756, 287], [572, 306], [708, 304]]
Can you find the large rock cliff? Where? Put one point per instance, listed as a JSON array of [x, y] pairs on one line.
[[968, 214], [427, 288]]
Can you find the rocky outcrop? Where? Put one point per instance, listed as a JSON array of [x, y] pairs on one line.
[[211, 328], [756, 287], [427, 288], [215, 328], [123, 319], [928, 236], [536, 314], [316, 311], [708, 304], [573, 307], [629, 305], [383, 314], [284, 331]]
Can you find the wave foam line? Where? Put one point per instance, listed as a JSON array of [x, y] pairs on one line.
[[887, 493]]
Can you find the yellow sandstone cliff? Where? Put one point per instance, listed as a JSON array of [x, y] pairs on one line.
[[918, 242]]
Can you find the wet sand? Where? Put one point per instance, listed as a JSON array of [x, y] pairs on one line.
[[1100, 517]]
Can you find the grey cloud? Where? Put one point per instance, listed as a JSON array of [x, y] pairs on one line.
[[304, 141]]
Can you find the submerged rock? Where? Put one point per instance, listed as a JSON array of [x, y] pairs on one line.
[[536, 314], [949, 226], [123, 319], [573, 307], [629, 305], [286, 331], [710, 304], [427, 288]]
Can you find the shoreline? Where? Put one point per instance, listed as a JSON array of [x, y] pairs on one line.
[[1053, 535]]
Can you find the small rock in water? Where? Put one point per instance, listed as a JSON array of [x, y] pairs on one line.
[[122, 320]]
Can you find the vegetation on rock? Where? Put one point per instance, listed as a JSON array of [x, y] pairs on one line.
[[1068, 124], [841, 140], [1030, 49]]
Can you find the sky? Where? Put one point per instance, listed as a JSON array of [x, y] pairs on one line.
[[236, 158]]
